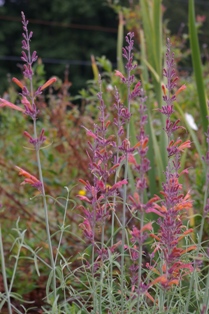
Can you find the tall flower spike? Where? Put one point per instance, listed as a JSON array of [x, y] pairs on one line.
[[27, 58], [174, 203]]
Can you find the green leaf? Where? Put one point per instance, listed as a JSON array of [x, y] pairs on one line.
[[196, 61], [120, 65]]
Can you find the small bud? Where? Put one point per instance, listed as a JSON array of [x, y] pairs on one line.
[[26, 103], [28, 135], [82, 181], [164, 89], [107, 124]]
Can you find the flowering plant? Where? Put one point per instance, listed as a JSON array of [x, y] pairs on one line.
[[131, 263]]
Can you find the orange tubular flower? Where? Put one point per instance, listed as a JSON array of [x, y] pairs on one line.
[[48, 83], [137, 145], [164, 89], [184, 145], [164, 281], [5, 103], [161, 279], [82, 181], [190, 248], [17, 82], [173, 282], [118, 73], [181, 146], [29, 179], [150, 297], [184, 205], [152, 235], [131, 159], [147, 227], [183, 87], [185, 233]]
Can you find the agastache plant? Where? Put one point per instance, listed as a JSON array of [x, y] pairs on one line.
[[108, 153], [101, 155], [125, 147], [113, 287], [139, 206], [172, 208], [99, 193], [28, 99]]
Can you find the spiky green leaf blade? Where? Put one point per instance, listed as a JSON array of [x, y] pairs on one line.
[[196, 61]]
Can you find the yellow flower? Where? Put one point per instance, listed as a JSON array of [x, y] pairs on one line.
[[82, 192]]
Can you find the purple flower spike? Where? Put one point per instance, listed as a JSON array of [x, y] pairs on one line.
[[175, 202]]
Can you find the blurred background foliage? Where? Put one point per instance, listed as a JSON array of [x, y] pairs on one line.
[[68, 34], [64, 33]]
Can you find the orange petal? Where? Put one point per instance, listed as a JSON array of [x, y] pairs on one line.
[[173, 282], [144, 145], [5, 103], [150, 297], [49, 82], [185, 205], [118, 73], [185, 233], [108, 123], [183, 87], [17, 82], [184, 145], [164, 267], [148, 227], [26, 174], [155, 237], [192, 247], [82, 181], [131, 159], [162, 208], [164, 89], [161, 279], [137, 145]]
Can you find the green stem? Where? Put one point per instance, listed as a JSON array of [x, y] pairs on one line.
[[32, 97], [113, 221], [140, 257], [46, 214], [4, 274], [16, 261], [62, 227], [101, 271], [112, 235], [94, 292], [102, 268], [124, 203], [162, 300], [206, 296], [197, 253]]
